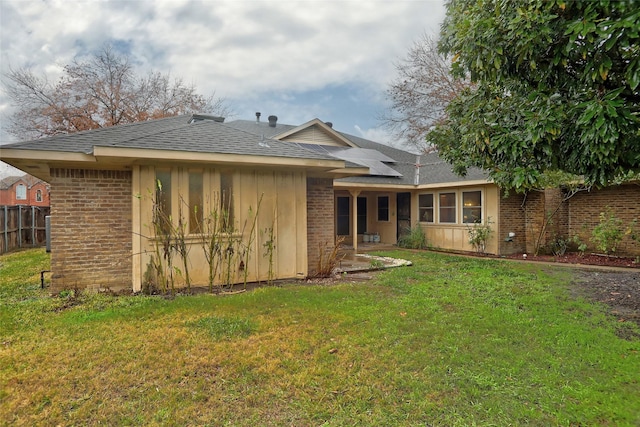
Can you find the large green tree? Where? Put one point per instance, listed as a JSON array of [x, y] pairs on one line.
[[556, 89]]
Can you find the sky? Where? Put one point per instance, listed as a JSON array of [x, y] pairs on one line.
[[295, 59]]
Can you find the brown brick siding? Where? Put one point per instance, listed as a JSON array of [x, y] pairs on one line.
[[584, 210], [511, 220], [576, 216], [320, 220], [90, 229]]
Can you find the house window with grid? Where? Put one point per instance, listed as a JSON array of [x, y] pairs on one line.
[[195, 202], [21, 192], [471, 207], [162, 208], [425, 206], [227, 202], [383, 208], [447, 211], [38, 195]]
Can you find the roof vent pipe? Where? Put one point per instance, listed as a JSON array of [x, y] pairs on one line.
[[329, 124], [272, 121], [258, 116]]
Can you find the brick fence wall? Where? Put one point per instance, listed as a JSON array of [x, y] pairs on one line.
[[90, 229], [320, 221], [584, 211], [577, 215]]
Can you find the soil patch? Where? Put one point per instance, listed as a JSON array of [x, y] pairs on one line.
[[619, 290]]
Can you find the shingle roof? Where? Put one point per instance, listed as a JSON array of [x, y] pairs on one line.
[[175, 134], [433, 169], [8, 181], [244, 137]]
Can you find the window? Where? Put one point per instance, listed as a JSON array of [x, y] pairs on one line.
[[425, 206], [226, 201], [471, 207], [162, 211], [342, 210], [21, 192], [38, 195], [383, 208], [362, 215], [195, 202], [447, 207]]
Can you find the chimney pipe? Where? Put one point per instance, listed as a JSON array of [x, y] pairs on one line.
[[258, 117], [329, 124], [272, 121]]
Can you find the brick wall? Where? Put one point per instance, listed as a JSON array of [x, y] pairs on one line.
[[90, 229], [584, 209], [512, 219], [320, 220], [576, 216]]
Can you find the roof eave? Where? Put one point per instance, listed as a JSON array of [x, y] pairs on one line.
[[138, 154]]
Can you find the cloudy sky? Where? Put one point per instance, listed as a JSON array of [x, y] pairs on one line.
[[296, 59]]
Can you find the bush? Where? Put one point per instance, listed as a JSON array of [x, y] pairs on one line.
[[479, 235], [608, 234], [414, 239]]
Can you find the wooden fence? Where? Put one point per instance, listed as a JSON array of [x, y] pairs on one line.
[[22, 226]]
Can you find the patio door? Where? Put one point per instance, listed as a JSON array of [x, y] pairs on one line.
[[404, 214]]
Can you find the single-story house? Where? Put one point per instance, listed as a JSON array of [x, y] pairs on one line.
[[297, 187]]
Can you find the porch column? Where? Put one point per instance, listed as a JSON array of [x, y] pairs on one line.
[[354, 217]]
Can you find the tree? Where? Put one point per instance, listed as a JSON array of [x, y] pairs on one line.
[[421, 92], [556, 89], [103, 90]]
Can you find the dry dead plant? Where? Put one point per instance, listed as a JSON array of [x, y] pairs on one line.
[[329, 257]]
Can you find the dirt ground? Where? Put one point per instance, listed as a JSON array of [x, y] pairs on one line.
[[619, 290], [608, 283]]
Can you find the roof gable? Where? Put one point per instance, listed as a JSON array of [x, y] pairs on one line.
[[315, 132]]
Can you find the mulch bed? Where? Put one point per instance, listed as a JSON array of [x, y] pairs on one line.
[[586, 259]]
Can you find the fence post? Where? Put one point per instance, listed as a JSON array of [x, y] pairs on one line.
[[6, 229], [33, 226], [19, 226]]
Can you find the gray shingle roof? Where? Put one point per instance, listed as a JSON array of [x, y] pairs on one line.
[[176, 134], [243, 137], [433, 169]]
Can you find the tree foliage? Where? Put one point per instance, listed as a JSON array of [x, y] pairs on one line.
[[421, 91], [556, 89], [99, 91]]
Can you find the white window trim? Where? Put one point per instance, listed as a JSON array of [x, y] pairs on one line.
[[19, 193], [433, 207], [457, 195], [482, 203], [388, 208]]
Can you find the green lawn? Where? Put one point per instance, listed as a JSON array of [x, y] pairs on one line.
[[448, 342]]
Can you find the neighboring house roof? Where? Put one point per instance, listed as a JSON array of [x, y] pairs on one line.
[[30, 181]]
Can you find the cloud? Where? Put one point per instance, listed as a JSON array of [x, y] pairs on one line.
[[263, 52]]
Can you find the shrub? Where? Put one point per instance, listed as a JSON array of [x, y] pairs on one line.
[[608, 234], [479, 235], [414, 239]]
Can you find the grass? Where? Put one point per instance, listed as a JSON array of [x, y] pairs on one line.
[[448, 342]]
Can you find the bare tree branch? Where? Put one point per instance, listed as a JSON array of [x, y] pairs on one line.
[[101, 91], [421, 92]]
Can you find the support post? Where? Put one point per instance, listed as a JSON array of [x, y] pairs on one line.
[[354, 218]]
